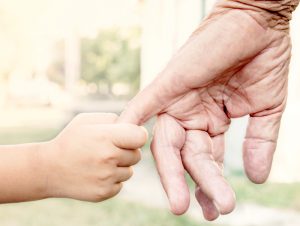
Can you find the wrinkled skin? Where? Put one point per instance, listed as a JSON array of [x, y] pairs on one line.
[[233, 65]]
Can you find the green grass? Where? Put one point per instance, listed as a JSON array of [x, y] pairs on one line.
[[281, 195], [61, 212]]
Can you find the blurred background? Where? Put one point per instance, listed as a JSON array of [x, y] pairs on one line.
[[61, 57]]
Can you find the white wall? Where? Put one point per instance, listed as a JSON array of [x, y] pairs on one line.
[[166, 25]]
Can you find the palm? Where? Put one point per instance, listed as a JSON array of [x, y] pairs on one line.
[[231, 66], [258, 87]]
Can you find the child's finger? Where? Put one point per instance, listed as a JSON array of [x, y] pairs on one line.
[[128, 157], [127, 136], [123, 174], [114, 190]]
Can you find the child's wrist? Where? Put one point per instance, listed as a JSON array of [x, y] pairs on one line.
[[47, 162]]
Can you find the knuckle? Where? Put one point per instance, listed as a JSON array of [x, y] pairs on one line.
[[130, 172], [108, 192], [116, 189], [97, 198], [109, 157], [197, 145], [106, 175], [101, 195], [137, 156]]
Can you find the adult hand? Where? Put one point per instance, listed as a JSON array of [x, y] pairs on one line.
[[234, 64]]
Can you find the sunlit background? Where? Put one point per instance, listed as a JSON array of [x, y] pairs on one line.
[[62, 57]]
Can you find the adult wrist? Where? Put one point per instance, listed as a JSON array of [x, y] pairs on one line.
[[275, 13]]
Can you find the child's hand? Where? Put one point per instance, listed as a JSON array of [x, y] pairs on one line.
[[91, 157]]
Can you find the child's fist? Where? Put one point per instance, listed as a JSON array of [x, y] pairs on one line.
[[92, 156]]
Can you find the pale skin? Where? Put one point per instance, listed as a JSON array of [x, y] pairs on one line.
[[235, 64], [89, 160]]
